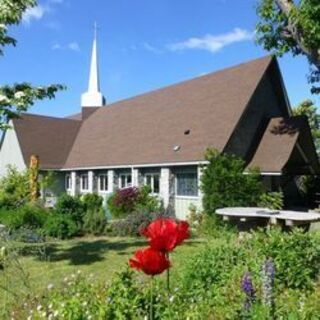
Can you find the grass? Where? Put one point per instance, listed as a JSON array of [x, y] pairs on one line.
[[51, 262]]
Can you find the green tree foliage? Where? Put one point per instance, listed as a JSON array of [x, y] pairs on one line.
[[307, 108], [19, 97], [14, 188], [224, 183], [292, 26]]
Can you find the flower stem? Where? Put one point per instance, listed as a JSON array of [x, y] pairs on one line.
[[168, 275], [151, 299]]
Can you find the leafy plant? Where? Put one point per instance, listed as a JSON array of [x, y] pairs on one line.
[[72, 207], [28, 216], [271, 200], [132, 224], [95, 222], [129, 200], [60, 226], [14, 188], [224, 183]]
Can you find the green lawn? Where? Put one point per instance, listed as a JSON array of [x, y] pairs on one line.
[[51, 262]]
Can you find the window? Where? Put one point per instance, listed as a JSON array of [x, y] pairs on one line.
[[187, 184], [84, 182], [103, 182], [153, 180], [125, 180], [68, 182]]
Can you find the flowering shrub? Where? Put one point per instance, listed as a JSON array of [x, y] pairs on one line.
[[131, 200]]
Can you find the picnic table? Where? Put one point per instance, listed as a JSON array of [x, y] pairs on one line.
[[287, 218]]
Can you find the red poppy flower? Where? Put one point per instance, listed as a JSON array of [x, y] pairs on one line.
[[183, 232], [150, 261], [165, 234]]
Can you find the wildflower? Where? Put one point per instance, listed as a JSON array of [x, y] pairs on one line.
[[171, 299], [268, 275], [150, 261], [50, 286], [39, 307], [248, 289]]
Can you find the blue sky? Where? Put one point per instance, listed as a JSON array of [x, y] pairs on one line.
[[143, 45]]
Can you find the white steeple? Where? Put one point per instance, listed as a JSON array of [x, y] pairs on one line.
[[93, 97]]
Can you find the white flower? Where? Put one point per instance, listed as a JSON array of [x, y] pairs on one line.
[[171, 298], [50, 306], [3, 26], [29, 318], [39, 307], [55, 314], [50, 286], [4, 99], [19, 94]]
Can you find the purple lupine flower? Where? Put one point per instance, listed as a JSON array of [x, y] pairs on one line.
[[268, 275], [248, 289]]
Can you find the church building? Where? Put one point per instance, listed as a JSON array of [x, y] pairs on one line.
[[159, 138]]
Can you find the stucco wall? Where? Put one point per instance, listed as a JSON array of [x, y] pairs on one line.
[[10, 152]]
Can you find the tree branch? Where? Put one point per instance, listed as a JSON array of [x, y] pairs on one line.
[[313, 54]]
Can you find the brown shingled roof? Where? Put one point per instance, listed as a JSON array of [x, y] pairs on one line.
[[145, 129], [277, 143], [49, 138]]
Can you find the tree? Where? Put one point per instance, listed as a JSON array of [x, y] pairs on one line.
[[307, 108], [19, 97], [292, 26], [224, 183]]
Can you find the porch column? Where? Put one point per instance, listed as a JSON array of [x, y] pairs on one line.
[[165, 186], [111, 181], [200, 194], [73, 191], [135, 177], [90, 181]]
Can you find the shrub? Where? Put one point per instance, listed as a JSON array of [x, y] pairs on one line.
[[122, 202], [29, 216], [224, 185], [126, 201], [60, 226], [14, 188], [95, 222], [92, 202], [271, 200], [132, 224], [73, 207], [296, 255]]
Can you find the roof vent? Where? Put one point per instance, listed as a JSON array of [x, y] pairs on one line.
[[176, 148], [187, 132]]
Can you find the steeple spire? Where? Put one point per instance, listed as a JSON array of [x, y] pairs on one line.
[[93, 97]]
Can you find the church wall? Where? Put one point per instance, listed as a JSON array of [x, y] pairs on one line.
[[10, 152]]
